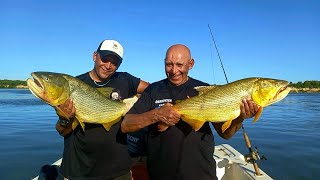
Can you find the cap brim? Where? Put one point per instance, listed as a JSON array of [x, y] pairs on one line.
[[106, 52]]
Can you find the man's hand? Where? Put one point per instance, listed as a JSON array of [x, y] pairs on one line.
[[248, 108], [65, 111], [68, 109], [167, 115]]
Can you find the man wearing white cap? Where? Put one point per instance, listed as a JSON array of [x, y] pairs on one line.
[[95, 153]]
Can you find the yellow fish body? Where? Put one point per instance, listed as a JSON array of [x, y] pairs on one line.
[[221, 103], [92, 106]]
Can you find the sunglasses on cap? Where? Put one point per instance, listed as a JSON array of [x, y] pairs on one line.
[[110, 58]]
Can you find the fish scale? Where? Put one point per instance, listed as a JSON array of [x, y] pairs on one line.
[[222, 103], [92, 106], [90, 112]]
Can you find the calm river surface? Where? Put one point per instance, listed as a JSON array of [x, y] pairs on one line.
[[287, 133]]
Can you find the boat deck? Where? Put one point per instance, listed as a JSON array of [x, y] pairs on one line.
[[232, 165]]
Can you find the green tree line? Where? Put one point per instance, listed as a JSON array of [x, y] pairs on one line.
[[11, 83], [306, 84]]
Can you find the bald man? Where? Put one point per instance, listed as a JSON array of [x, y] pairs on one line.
[[178, 152]]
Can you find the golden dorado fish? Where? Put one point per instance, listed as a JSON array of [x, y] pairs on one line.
[[221, 103], [92, 105]]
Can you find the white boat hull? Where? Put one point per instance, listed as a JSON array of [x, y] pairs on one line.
[[230, 165]]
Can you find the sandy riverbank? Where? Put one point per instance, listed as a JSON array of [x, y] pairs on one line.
[[305, 90]]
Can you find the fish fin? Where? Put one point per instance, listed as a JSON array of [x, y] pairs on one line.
[[129, 103], [258, 114], [106, 91], [226, 125], [60, 112], [108, 125], [195, 124], [162, 126], [75, 123], [82, 125], [203, 89]]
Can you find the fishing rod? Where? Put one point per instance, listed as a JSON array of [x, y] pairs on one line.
[[215, 45], [253, 155]]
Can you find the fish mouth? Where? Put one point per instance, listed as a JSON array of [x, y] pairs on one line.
[[282, 93], [35, 86]]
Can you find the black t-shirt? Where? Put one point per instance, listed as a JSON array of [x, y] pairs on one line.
[[179, 152], [95, 153]]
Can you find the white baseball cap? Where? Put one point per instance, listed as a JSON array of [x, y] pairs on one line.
[[108, 47]]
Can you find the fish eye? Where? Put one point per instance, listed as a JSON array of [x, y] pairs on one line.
[[45, 78]]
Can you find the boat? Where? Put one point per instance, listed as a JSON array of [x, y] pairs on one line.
[[230, 164]]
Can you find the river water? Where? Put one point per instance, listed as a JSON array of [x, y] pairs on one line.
[[287, 133]]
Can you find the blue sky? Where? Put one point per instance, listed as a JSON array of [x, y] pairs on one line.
[[268, 38]]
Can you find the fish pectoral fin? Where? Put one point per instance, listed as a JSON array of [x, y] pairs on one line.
[[60, 112], [108, 125], [162, 126], [82, 125], [75, 123], [226, 125], [129, 103], [195, 124], [258, 114]]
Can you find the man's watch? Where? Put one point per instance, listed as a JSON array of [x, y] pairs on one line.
[[64, 122]]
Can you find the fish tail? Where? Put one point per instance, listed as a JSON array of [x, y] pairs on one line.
[[129, 103]]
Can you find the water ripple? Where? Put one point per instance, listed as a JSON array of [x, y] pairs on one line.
[[287, 133]]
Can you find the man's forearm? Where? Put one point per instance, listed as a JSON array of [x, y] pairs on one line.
[[234, 127], [135, 122]]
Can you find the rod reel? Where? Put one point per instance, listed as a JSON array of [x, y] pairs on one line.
[[254, 155]]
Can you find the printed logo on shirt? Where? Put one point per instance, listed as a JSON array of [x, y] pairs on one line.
[[116, 95], [132, 138], [161, 102]]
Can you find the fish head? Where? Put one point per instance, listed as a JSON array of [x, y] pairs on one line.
[[268, 91], [51, 88]]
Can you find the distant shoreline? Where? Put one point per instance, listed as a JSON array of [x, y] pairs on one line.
[[305, 90]]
